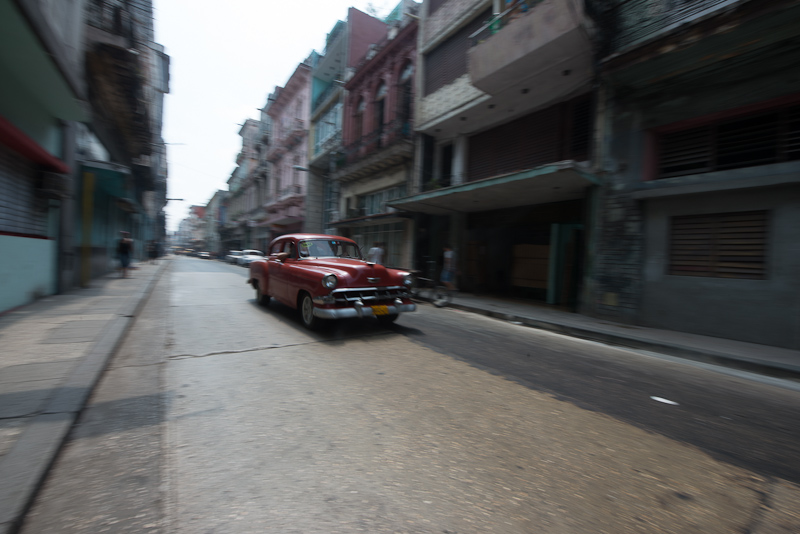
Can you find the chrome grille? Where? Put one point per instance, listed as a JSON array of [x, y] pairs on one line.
[[369, 294]]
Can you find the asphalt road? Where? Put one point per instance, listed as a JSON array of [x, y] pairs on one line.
[[219, 415], [747, 423]]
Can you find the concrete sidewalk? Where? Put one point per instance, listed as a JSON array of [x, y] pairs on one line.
[[52, 354], [762, 359]]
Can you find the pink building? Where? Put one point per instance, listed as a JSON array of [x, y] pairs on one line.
[[288, 153], [378, 145]]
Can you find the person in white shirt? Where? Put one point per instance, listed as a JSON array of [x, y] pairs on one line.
[[375, 254]]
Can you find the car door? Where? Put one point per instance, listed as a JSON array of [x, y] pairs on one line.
[[278, 270]]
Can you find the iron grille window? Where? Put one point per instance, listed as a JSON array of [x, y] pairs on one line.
[[720, 245], [744, 142], [448, 61]]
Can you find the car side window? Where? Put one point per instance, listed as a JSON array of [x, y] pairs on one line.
[[290, 248]]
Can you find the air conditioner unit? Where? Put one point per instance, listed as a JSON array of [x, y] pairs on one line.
[[53, 185]]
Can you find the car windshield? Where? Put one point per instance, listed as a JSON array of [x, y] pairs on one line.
[[328, 248]]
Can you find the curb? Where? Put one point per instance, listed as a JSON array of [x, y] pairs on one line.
[[772, 369], [25, 467]]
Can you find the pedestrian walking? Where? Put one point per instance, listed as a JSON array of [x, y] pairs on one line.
[[124, 249], [152, 251], [448, 276]]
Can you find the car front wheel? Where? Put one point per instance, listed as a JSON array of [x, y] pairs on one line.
[[261, 298], [307, 312]]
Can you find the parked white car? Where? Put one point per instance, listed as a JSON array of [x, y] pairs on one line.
[[233, 256], [249, 256]]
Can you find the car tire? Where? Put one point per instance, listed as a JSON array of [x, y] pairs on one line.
[[307, 312], [261, 298], [387, 319]]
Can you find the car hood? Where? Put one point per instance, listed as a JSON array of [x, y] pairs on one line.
[[355, 273]]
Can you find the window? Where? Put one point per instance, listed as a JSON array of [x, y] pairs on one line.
[[375, 203], [720, 245], [446, 165], [405, 93], [358, 120], [732, 144], [380, 109]]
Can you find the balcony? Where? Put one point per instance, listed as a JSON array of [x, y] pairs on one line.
[[539, 48], [377, 151], [293, 132], [291, 190]]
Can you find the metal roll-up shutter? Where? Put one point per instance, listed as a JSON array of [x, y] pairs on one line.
[[726, 245], [448, 61]]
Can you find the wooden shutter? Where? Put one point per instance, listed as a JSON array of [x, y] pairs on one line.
[[726, 245]]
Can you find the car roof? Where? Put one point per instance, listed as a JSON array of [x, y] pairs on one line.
[[313, 236]]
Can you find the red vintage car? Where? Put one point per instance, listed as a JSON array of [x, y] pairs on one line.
[[325, 277]]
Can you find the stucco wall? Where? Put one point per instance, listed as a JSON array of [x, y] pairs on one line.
[[758, 311], [27, 270]]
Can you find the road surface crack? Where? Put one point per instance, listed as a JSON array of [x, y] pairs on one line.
[[264, 347]]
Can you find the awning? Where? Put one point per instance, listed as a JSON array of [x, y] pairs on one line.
[[370, 220], [110, 177], [556, 182], [16, 140]]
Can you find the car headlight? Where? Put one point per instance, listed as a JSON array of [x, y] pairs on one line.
[[408, 280], [330, 281]]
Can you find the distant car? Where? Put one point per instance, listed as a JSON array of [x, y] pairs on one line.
[[204, 255], [249, 256], [233, 255], [325, 277]]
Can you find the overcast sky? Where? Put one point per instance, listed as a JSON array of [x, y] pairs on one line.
[[226, 57]]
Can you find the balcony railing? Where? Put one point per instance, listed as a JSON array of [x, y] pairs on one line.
[[500, 21], [291, 190], [373, 142], [328, 144], [293, 133]]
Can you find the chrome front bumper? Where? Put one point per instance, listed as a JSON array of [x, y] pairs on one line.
[[360, 310]]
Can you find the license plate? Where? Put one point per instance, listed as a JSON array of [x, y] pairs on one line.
[[380, 310]]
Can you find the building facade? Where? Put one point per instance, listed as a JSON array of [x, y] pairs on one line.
[[214, 219], [700, 210], [377, 162], [346, 45], [80, 135], [288, 153], [36, 160], [242, 203], [504, 113]]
